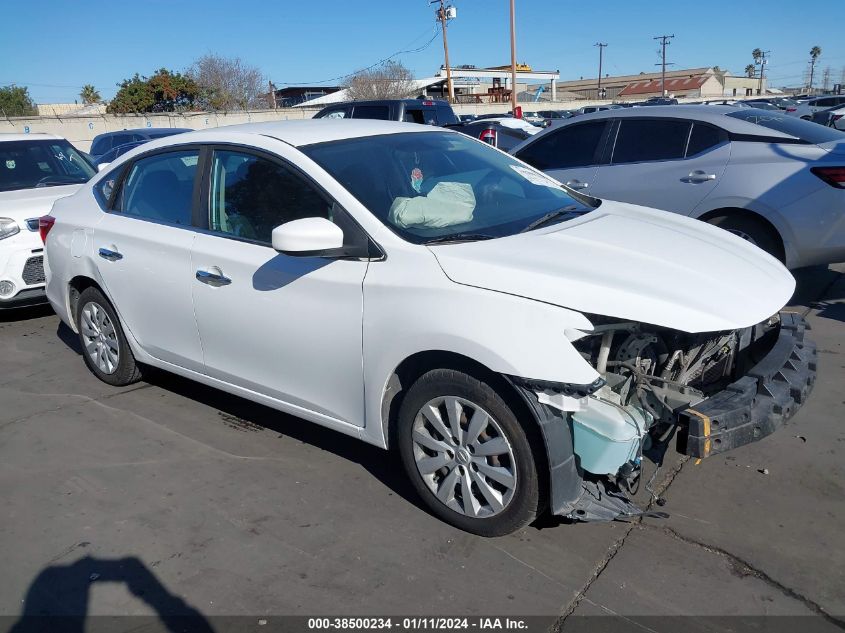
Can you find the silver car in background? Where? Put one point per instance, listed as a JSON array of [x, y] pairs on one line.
[[773, 179]]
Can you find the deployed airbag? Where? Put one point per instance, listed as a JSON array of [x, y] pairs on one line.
[[447, 204]]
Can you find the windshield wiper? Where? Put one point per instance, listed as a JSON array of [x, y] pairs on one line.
[[459, 237], [570, 210]]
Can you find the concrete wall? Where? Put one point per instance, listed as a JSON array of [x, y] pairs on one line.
[[81, 130]]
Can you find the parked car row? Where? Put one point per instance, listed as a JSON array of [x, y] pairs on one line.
[[522, 343]]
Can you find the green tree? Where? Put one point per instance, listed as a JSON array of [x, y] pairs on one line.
[[750, 70], [89, 94], [164, 91], [15, 101]]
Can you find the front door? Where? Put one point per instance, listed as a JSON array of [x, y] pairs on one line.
[[142, 247], [286, 327]]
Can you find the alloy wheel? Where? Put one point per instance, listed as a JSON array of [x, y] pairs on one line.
[[464, 457], [100, 338]]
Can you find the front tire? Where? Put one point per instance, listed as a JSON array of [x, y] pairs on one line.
[[467, 455], [104, 346]]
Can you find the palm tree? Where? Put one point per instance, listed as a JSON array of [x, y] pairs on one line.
[[815, 53], [89, 94], [750, 70], [757, 54]]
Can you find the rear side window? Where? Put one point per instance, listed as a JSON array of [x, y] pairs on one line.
[[250, 196], [650, 139], [371, 112], [569, 146], [413, 116], [340, 113], [160, 187], [704, 137], [805, 130], [445, 115]]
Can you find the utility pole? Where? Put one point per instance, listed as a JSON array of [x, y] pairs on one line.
[[664, 42], [762, 71], [513, 57], [601, 50], [444, 14]]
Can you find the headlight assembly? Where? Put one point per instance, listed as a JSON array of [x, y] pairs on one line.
[[8, 228]]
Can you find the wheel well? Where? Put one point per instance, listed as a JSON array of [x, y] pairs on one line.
[[410, 369], [76, 287], [751, 215]]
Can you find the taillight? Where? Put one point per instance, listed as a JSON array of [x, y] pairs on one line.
[[836, 117], [791, 109], [834, 176], [45, 223], [488, 136]]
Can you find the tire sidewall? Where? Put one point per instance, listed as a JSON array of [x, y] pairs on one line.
[[524, 505]]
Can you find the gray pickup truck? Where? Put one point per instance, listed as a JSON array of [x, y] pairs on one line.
[[425, 111]]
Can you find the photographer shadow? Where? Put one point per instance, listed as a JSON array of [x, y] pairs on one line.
[[58, 598]]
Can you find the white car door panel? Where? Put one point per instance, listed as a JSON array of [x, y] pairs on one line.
[[285, 326], [142, 250]]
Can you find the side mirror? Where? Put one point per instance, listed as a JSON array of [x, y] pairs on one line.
[[308, 237], [102, 166]]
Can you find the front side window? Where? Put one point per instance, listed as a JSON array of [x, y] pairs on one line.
[[250, 196], [160, 187], [440, 186], [570, 146], [371, 112], [650, 139], [41, 163]]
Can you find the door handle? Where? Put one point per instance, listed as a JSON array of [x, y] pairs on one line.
[[576, 184], [699, 176], [213, 279], [110, 255]]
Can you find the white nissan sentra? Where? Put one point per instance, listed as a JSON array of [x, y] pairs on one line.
[[523, 346]]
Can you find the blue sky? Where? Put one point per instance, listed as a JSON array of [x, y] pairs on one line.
[[57, 46]]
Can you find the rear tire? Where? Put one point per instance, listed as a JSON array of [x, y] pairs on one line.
[[467, 455], [104, 346], [751, 230]]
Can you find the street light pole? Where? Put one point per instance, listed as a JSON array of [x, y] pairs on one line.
[[513, 57], [601, 50]]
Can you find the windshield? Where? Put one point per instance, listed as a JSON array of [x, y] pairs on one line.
[[30, 164], [805, 130], [433, 186]]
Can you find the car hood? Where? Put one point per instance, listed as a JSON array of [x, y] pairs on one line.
[[24, 204], [632, 263]]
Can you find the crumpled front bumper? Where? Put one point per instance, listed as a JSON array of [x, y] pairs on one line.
[[757, 404]]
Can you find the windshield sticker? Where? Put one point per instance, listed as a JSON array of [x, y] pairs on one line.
[[10, 164], [535, 178], [416, 179]]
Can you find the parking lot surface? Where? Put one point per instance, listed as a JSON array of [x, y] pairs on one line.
[[219, 506]]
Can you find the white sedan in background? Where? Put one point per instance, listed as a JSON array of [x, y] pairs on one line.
[[772, 179], [522, 347], [35, 171]]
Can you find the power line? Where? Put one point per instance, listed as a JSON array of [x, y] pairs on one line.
[[371, 66]]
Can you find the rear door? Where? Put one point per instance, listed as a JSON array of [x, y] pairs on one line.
[[571, 153], [142, 247], [670, 164]]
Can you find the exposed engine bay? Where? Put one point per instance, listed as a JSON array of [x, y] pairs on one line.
[[650, 374]]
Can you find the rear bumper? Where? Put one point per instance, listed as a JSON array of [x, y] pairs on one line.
[[757, 404]]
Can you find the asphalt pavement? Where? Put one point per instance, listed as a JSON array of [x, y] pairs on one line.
[[170, 497]]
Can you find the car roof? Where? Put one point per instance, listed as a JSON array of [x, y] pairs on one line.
[[714, 114], [421, 102], [302, 132], [35, 136]]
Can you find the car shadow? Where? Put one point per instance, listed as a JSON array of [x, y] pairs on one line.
[[58, 599], [8, 315], [383, 465], [817, 288]]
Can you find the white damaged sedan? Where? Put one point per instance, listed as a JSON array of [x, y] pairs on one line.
[[522, 346]]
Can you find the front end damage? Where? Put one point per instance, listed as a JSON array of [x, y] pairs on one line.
[[707, 392]]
